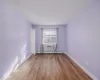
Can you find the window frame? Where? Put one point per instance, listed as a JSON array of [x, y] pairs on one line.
[[49, 29]]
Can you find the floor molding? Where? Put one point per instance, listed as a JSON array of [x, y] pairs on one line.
[[56, 64], [83, 68], [2, 78], [50, 52]]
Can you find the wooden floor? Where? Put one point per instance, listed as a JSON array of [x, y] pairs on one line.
[[49, 67]]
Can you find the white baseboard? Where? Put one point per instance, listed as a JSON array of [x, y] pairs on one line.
[[83, 68], [2, 78], [50, 52], [28, 57]]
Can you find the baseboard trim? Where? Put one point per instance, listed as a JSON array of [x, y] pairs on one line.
[[83, 68], [2, 78], [50, 52]]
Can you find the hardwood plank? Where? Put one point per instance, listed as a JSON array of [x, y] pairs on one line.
[[49, 67]]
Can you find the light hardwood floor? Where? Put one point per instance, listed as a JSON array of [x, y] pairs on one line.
[[49, 67]]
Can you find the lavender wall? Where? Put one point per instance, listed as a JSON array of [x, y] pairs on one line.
[[83, 39], [14, 38], [61, 39], [38, 38], [61, 47]]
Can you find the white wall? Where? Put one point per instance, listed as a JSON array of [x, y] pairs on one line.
[[83, 39]]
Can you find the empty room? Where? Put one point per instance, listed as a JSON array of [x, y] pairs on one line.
[[49, 39]]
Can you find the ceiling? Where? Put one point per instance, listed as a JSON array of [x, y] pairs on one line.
[[50, 12]]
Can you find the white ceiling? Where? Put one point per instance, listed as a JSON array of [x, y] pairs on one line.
[[50, 12]]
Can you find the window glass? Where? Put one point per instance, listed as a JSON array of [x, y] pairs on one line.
[[50, 35]]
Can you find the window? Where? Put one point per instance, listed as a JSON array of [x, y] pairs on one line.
[[49, 35]]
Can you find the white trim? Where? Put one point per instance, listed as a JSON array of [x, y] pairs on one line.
[[28, 57], [2, 78], [50, 26], [32, 40], [50, 52], [83, 68]]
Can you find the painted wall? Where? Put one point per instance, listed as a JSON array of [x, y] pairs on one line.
[[83, 39], [14, 38], [38, 38], [32, 40], [61, 39], [61, 47]]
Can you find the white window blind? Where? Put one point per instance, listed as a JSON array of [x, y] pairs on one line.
[[49, 35]]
